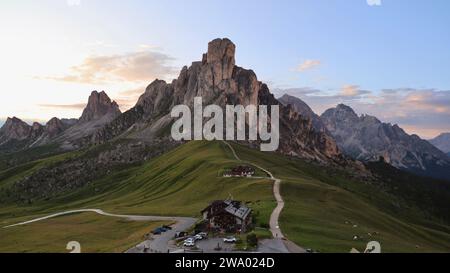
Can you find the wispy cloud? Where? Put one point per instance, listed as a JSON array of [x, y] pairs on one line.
[[352, 91], [142, 66], [308, 65], [374, 2], [76, 106]]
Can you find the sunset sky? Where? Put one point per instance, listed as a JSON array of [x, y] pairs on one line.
[[390, 60]]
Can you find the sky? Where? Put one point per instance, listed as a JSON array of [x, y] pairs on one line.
[[387, 58]]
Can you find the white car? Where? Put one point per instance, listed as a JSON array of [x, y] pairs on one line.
[[189, 242], [198, 237], [230, 240]]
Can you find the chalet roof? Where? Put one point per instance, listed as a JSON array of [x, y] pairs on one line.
[[240, 211], [232, 207]]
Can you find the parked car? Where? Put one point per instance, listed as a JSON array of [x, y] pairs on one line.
[[156, 231], [230, 240], [167, 227], [181, 234], [203, 234], [159, 230], [190, 242], [198, 237]]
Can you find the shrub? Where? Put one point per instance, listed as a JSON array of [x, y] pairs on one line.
[[252, 240]]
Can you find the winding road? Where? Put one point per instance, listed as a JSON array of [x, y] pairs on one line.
[[101, 212], [158, 243], [274, 244]]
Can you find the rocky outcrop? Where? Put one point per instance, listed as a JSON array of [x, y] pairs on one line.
[[218, 81], [366, 138], [99, 111], [17, 134], [304, 110], [15, 129], [55, 127], [442, 142], [99, 106]]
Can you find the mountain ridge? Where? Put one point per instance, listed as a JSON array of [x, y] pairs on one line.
[[16, 135], [442, 142], [368, 139], [303, 109]]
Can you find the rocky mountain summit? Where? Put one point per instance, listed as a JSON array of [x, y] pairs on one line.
[[218, 80], [366, 138], [99, 111], [99, 106], [442, 142], [16, 134], [16, 129], [304, 110]]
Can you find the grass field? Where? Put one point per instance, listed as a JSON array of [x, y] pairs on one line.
[[95, 233], [323, 211]]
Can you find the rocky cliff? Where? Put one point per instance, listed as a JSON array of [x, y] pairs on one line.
[[99, 111], [366, 138], [304, 110]]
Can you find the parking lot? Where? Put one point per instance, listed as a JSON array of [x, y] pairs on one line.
[[213, 245]]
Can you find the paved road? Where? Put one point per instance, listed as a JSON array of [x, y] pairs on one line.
[[276, 244], [101, 212]]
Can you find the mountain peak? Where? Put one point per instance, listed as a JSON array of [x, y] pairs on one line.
[[221, 55], [366, 138], [219, 81], [15, 128], [304, 110], [442, 142], [14, 120], [99, 105], [346, 108]]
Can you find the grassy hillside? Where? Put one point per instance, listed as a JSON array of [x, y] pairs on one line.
[[324, 209], [95, 233], [179, 183]]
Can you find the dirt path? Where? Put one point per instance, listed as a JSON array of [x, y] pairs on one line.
[[274, 218]]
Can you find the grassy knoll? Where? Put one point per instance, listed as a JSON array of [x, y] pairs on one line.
[[95, 233]]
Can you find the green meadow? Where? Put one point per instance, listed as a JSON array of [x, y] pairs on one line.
[[324, 210]]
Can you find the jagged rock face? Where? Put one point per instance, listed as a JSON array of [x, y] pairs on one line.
[[304, 110], [16, 129], [55, 127], [221, 58], [218, 81], [366, 138], [442, 142], [100, 111], [17, 134], [99, 105]]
